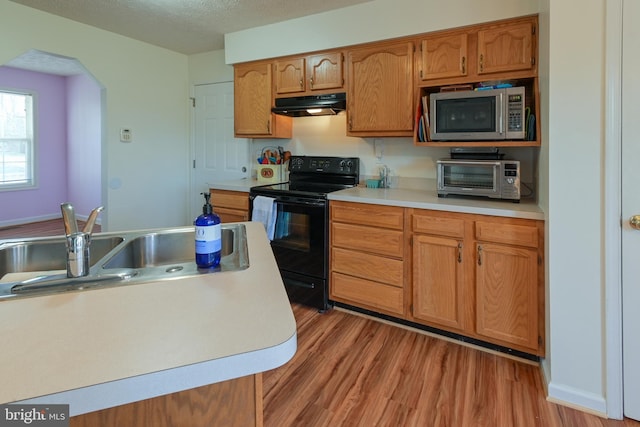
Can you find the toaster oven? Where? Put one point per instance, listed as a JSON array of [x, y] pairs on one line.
[[497, 179]]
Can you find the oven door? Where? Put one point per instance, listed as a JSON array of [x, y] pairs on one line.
[[300, 240]]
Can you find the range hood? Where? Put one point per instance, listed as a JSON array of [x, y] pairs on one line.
[[315, 105]]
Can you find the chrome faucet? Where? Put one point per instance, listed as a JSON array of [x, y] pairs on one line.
[[78, 242]]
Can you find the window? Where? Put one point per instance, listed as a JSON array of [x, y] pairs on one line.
[[16, 140]]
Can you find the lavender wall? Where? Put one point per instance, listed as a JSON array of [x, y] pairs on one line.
[[84, 137], [44, 201]]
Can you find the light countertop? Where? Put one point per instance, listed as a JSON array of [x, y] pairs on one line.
[[100, 348], [428, 199], [416, 193], [243, 184]]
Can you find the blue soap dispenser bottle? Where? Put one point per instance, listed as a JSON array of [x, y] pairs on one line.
[[208, 236]]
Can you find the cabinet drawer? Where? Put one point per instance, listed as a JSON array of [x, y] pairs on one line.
[[366, 214], [231, 215], [367, 266], [513, 234], [378, 296], [376, 240], [230, 199], [438, 225]]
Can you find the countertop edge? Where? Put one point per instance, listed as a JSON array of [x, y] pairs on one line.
[[420, 199], [128, 390], [418, 194]]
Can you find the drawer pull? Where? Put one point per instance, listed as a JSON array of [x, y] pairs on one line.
[[459, 252], [479, 255]]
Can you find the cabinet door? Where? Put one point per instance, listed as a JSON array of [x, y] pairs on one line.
[[380, 81], [290, 76], [507, 294], [506, 48], [438, 280], [252, 99], [325, 71], [444, 56]]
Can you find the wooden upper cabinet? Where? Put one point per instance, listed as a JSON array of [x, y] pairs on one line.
[[444, 57], [253, 99], [290, 75], [507, 47], [306, 75], [325, 71], [380, 90]]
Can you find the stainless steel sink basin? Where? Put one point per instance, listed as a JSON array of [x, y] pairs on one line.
[[117, 259], [47, 254], [163, 248]]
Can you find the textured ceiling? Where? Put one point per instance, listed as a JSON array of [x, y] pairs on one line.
[[185, 26]]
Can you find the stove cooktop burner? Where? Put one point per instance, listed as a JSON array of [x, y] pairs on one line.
[[316, 176]]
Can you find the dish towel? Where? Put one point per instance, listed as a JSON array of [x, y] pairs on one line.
[[264, 211]]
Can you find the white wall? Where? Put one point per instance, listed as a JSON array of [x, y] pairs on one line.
[[209, 67], [370, 21], [575, 219], [146, 181], [84, 140]]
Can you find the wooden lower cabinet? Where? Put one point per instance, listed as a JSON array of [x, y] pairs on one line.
[[474, 275], [480, 276], [439, 296], [230, 206], [367, 257], [233, 403], [507, 294]]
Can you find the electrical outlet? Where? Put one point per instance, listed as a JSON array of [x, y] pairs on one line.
[[378, 148], [125, 135]]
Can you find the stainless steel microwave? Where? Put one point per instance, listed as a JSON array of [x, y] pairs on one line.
[[498, 179], [492, 114]]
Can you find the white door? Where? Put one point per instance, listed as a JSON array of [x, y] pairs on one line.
[[217, 154], [631, 207]]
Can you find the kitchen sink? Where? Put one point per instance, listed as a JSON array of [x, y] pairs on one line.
[[47, 254], [38, 266], [163, 248]]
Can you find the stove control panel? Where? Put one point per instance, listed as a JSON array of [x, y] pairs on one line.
[[328, 165]]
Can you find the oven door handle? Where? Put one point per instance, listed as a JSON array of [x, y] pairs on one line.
[[298, 202]]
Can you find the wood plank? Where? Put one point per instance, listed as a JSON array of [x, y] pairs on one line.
[[53, 227], [351, 370], [233, 403]]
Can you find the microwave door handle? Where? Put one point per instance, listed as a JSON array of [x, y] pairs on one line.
[[501, 119]]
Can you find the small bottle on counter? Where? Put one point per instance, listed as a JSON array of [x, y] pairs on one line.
[[208, 236]]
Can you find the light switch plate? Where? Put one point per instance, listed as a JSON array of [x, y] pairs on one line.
[[125, 135]]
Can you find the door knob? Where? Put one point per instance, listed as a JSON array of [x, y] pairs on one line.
[[634, 221]]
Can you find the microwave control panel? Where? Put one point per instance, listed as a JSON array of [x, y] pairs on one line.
[[514, 112]]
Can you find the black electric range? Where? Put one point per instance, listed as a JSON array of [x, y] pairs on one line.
[[300, 240]]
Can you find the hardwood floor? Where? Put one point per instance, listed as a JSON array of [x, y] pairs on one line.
[[53, 227], [350, 370]]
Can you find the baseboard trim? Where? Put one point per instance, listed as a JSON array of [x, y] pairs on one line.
[[440, 334], [577, 399], [28, 220]]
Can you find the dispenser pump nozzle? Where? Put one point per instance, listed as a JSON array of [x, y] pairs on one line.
[[207, 209]]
